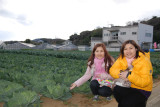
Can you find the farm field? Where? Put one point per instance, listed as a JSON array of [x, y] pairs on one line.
[[28, 77]]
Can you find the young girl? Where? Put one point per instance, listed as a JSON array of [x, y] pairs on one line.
[[99, 64]]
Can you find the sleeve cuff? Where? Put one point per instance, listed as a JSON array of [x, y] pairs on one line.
[[129, 73]]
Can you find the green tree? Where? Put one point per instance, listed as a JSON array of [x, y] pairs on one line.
[[84, 38], [27, 41]]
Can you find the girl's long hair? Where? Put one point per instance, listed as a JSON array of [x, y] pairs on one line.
[[138, 49], [107, 58]]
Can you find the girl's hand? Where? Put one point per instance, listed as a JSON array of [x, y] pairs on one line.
[[72, 86]]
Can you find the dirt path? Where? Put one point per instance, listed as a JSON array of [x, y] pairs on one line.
[[1, 104], [77, 100]]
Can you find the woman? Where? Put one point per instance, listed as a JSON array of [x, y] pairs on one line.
[[99, 64], [140, 76]]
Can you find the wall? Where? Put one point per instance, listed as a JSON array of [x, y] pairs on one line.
[[143, 29], [129, 35], [93, 43]]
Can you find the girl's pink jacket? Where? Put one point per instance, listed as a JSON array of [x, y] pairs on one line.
[[90, 72]]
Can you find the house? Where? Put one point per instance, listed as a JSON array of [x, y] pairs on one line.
[[19, 45], [44, 46], [67, 46], [83, 48], [114, 36], [95, 40]]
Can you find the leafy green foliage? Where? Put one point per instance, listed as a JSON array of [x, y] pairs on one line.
[[7, 89], [58, 54], [42, 74], [58, 92], [83, 89], [23, 99], [156, 66]]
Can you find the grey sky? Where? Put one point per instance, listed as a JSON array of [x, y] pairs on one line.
[[30, 19]]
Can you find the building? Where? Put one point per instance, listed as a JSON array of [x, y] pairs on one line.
[[114, 36], [83, 48], [67, 46], [18, 46], [2, 45], [44, 46]]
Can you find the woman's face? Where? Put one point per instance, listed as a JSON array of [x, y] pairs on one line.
[[129, 51], [99, 53]]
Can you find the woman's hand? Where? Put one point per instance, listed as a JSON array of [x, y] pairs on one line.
[[123, 75], [72, 86]]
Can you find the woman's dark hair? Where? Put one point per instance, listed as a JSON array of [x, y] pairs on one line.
[[107, 58], [138, 49]]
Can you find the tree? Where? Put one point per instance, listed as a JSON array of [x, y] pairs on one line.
[[97, 32], [27, 41], [85, 36]]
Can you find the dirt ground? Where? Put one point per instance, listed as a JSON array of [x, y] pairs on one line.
[[1, 104], [78, 100]]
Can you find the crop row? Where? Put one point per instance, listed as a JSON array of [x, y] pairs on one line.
[[48, 76], [58, 54]]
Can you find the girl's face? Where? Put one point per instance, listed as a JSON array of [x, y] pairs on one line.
[[129, 51], [99, 53]]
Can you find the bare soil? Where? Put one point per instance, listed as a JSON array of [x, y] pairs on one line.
[[77, 100]]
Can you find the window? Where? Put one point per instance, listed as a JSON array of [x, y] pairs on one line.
[[148, 34], [123, 33], [134, 33], [106, 34]]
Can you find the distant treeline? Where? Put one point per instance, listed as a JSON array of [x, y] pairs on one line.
[[84, 37]]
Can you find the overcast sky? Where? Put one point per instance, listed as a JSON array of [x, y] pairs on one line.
[[30, 19]]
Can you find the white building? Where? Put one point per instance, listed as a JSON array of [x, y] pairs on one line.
[[44, 46], [67, 46], [19, 45], [83, 48], [114, 36], [2, 45]]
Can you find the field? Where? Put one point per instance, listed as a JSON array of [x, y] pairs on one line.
[[28, 77]]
